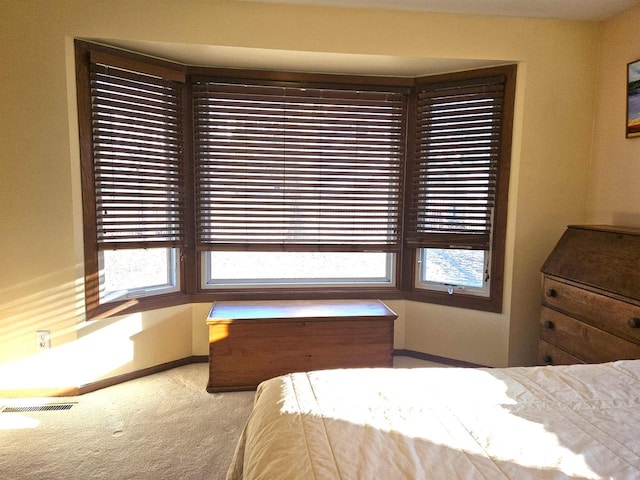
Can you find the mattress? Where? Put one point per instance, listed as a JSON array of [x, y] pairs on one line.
[[576, 421]]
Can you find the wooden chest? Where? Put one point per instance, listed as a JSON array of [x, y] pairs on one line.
[[253, 341], [591, 297]]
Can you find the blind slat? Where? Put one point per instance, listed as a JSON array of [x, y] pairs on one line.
[[454, 178], [137, 151], [269, 171]]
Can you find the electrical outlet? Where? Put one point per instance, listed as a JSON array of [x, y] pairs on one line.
[[43, 338]]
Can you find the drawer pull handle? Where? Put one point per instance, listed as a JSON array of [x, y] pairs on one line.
[[552, 292], [549, 325], [547, 360], [634, 322]]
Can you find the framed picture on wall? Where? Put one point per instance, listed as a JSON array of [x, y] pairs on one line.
[[633, 99]]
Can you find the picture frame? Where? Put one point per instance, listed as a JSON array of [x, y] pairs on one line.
[[633, 99]]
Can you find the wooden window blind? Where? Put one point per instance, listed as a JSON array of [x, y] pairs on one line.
[[301, 168], [454, 176], [137, 143]]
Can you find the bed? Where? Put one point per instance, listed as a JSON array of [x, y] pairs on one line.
[[575, 421]]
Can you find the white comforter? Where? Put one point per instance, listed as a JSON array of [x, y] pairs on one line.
[[578, 421]]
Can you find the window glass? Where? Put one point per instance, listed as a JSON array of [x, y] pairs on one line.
[[137, 273], [223, 268], [454, 270]]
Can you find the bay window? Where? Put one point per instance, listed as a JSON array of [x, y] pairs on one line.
[[202, 184]]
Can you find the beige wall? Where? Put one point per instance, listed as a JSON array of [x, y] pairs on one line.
[[40, 204], [614, 191]]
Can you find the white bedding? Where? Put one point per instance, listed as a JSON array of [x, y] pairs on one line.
[[578, 421]]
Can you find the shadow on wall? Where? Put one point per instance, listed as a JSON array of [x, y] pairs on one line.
[[81, 352], [53, 302], [57, 370]]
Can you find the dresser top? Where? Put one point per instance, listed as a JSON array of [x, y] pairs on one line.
[[608, 228]]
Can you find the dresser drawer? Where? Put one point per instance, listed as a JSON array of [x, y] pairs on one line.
[[615, 316], [588, 343], [549, 354]]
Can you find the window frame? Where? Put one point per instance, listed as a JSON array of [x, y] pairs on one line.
[[190, 255], [94, 307]]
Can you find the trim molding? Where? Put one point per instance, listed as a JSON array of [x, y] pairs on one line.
[[107, 382], [39, 392], [125, 377], [435, 358]]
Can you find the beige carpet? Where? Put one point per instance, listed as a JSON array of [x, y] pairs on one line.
[[164, 426]]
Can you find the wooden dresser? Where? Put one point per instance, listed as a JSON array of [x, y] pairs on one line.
[[591, 297], [252, 341]]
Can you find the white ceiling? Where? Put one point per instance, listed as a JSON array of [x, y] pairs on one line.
[[299, 61], [357, 64], [591, 10]]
